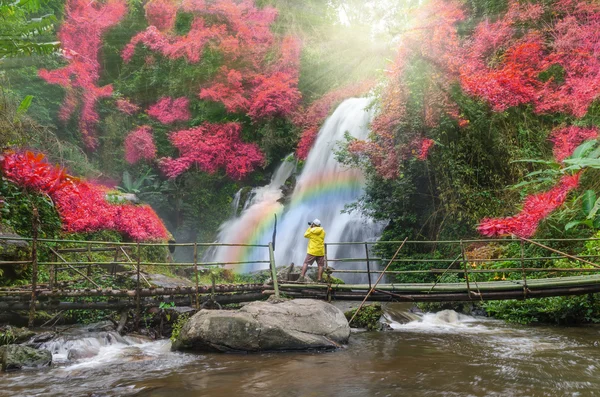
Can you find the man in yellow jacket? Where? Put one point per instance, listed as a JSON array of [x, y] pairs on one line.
[[316, 248]]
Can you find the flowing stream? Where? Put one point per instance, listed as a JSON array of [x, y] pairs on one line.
[[444, 354], [323, 190]]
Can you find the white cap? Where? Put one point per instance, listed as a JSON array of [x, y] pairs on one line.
[[317, 222]]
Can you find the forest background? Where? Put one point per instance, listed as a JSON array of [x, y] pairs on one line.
[[485, 109]]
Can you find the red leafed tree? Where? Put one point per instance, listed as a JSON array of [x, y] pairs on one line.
[[556, 75], [139, 145], [247, 82], [210, 147], [168, 110], [81, 205], [81, 39]]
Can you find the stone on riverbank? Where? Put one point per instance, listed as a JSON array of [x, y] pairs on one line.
[[299, 324], [13, 357]]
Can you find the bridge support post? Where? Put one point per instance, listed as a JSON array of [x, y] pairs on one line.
[[34, 266], [273, 270], [196, 274], [138, 313], [368, 264]]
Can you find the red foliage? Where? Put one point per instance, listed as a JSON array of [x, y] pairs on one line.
[[535, 208], [246, 82], [81, 39], [274, 95], [213, 146], [127, 107], [425, 145], [228, 89], [139, 145], [310, 119], [504, 66], [168, 110], [567, 139], [81, 205], [538, 206], [161, 13]]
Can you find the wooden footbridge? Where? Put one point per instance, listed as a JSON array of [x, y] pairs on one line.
[[71, 274]]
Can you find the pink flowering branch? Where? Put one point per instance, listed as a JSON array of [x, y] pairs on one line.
[[81, 39], [168, 110], [210, 147], [535, 208], [139, 145]]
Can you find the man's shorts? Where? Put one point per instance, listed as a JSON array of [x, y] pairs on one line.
[[311, 258]]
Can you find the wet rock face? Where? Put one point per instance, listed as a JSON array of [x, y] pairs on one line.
[[299, 324], [14, 357]]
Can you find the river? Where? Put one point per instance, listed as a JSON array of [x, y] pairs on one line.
[[431, 356]]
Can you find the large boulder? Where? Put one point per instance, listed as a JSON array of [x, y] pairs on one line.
[[15, 357], [286, 325]]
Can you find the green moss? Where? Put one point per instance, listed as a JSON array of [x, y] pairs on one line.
[[178, 324], [368, 317]]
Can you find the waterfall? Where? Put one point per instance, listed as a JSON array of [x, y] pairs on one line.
[[322, 191]]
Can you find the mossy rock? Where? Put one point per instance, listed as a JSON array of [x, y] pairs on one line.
[[14, 357], [368, 317], [9, 335]]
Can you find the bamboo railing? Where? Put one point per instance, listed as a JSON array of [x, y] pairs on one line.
[[54, 256], [80, 258]]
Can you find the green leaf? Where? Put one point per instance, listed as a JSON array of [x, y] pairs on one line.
[[24, 105], [579, 163], [583, 149], [535, 161], [594, 210], [127, 183], [589, 198], [572, 224]]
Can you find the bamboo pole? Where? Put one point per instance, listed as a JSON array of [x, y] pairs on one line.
[[34, 265], [196, 275], [115, 305], [524, 273], [138, 313], [368, 264], [464, 258], [52, 280], [89, 258], [559, 252], [273, 270], [25, 294], [72, 268], [504, 269], [138, 265], [377, 282]]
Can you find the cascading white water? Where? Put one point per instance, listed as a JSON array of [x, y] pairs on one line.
[[323, 190]]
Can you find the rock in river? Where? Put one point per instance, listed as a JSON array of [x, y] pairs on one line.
[[18, 356], [289, 325]]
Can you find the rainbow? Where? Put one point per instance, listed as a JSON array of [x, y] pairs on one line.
[[328, 186]]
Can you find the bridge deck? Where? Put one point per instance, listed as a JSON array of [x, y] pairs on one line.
[[488, 290]]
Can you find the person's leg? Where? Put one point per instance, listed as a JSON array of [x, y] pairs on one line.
[[307, 261], [321, 264]]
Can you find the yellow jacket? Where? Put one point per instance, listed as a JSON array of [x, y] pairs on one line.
[[316, 241]]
